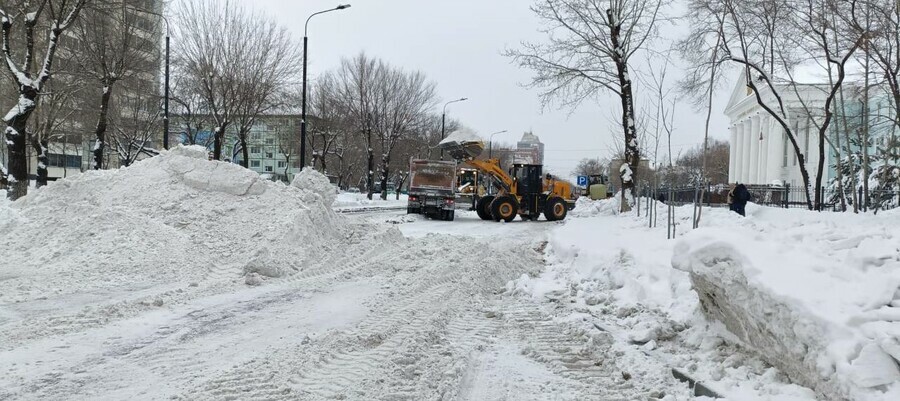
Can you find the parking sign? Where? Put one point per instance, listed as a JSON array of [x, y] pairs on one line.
[[582, 181]]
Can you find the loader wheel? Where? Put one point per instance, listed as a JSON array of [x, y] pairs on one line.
[[555, 209], [448, 215], [483, 207], [504, 208]]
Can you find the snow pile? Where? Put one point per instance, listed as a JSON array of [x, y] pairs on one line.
[[175, 218], [315, 184], [462, 135], [585, 207], [617, 270], [817, 293]]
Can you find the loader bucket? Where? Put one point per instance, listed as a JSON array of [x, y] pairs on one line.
[[462, 145]]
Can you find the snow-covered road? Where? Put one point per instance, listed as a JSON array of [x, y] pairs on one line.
[[415, 314]]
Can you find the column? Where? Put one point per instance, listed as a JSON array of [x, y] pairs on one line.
[[776, 152], [754, 150], [738, 152], [745, 169], [732, 152], [764, 150]]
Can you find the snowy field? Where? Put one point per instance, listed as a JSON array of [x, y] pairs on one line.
[[183, 279]]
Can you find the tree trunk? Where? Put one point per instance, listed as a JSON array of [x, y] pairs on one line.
[[16, 129], [287, 166], [218, 138], [245, 151], [40, 147], [384, 175], [102, 123], [632, 156], [370, 173]]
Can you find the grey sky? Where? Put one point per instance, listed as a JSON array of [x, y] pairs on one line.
[[457, 44]]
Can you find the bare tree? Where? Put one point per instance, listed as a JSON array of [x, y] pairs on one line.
[[135, 121], [592, 166], [238, 60], [329, 115], [768, 40], [112, 49], [192, 115], [591, 45], [60, 15], [356, 85], [404, 98]]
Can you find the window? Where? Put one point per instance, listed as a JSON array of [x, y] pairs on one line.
[[59, 160], [269, 169], [254, 149], [281, 164], [270, 141], [270, 155], [256, 136], [254, 163]]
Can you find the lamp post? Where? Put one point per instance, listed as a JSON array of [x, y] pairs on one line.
[[303, 105], [491, 144], [444, 119], [166, 95]]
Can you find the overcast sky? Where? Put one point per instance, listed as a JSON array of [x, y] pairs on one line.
[[458, 45]]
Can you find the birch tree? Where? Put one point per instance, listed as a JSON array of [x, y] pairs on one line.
[[590, 48], [30, 75]]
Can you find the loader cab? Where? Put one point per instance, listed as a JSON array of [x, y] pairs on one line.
[[528, 178]]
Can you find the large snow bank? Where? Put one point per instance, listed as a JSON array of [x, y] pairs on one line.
[[172, 218], [617, 269], [817, 293]]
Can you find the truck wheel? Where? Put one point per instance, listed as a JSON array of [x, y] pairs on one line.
[[483, 207], [504, 208], [555, 209]]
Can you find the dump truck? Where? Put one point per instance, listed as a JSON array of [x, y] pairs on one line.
[[524, 191], [432, 188]]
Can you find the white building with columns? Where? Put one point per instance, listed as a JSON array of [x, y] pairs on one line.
[[760, 151]]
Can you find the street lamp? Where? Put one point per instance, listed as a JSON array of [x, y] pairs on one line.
[[166, 96], [303, 106], [491, 144], [444, 119]]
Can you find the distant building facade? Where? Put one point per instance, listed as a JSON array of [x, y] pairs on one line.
[[273, 145], [529, 150], [761, 152]]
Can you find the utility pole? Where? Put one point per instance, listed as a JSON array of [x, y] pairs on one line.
[[303, 104]]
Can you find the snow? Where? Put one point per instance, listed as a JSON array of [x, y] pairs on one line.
[[823, 287], [626, 172], [183, 278], [616, 269], [20, 108], [461, 136], [173, 236], [351, 200]]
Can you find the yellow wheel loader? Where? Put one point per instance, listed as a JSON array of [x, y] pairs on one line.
[[524, 191]]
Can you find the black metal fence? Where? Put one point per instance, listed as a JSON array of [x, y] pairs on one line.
[[778, 196]]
